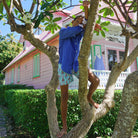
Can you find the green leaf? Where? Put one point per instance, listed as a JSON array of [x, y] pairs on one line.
[[46, 23], [48, 14], [73, 16], [102, 32], [105, 23], [81, 7], [99, 19], [41, 16], [19, 16], [57, 19], [1, 17], [112, 14], [80, 1], [96, 32], [16, 11], [113, 4], [8, 2], [34, 1], [58, 27], [1, 7], [44, 6], [47, 19], [106, 29], [107, 11], [102, 10]]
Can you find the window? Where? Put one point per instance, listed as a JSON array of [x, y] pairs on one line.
[[121, 55], [18, 74], [36, 66], [97, 50], [112, 58], [115, 56], [12, 75]]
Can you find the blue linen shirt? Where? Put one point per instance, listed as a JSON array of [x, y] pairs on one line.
[[69, 41]]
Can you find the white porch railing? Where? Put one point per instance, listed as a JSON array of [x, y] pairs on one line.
[[103, 76]]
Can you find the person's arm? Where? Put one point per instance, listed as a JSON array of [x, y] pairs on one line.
[[70, 32], [85, 4], [86, 11]]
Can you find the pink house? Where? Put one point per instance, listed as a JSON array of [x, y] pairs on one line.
[[33, 68]]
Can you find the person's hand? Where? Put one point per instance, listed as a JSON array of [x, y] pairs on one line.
[[86, 3]]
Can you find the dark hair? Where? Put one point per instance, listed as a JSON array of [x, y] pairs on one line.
[[77, 17]]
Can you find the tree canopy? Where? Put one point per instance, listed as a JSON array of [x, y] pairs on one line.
[[41, 11], [9, 48]]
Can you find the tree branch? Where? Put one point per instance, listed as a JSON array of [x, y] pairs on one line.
[[11, 18], [126, 52], [125, 2], [130, 34], [127, 18], [52, 53], [18, 6], [124, 7], [115, 12], [32, 7], [130, 59], [54, 3], [131, 4], [125, 11], [37, 9], [11, 6]]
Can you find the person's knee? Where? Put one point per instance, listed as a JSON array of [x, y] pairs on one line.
[[94, 80], [97, 80]]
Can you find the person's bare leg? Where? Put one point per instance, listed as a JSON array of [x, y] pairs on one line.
[[64, 100], [94, 80]]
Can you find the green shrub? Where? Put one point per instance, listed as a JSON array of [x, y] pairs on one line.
[[2, 76], [28, 108], [11, 86]]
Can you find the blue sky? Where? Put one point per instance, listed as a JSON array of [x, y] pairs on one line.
[[4, 29]]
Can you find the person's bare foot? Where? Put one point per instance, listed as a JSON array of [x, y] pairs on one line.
[[61, 133], [96, 105]]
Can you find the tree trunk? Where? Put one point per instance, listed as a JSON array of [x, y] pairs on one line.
[[128, 109], [51, 52], [82, 128]]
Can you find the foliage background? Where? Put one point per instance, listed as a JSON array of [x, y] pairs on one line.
[[9, 49], [27, 107]]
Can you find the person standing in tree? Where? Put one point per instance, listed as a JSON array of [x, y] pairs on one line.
[[69, 41]]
